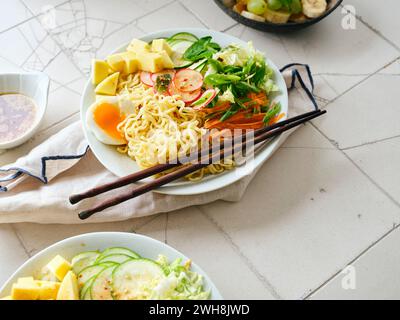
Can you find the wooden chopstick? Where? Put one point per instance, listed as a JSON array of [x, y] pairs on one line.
[[140, 175], [181, 172]]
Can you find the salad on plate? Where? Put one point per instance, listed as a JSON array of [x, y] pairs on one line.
[[160, 100], [116, 273]]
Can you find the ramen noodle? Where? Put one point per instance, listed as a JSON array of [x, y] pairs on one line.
[[161, 128]]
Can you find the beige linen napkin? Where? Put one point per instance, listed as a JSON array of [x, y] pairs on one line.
[[37, 186]]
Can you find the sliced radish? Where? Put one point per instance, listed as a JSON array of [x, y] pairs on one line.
[[187, 97], [154, 76], [204, 100], [145, 77], [188, 80]]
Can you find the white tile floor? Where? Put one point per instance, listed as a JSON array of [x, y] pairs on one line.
[[329, 198]]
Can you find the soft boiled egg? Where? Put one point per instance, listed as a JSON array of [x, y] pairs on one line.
[[104, 116]]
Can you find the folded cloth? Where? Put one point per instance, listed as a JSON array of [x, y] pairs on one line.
[[37, 186]]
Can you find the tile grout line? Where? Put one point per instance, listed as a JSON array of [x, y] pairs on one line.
[[200, 19], [358, 257], [354, 74], [308, 148], [394, 201], [17, 25], [362, 81], [56, 42], [34, 52], [59, 122], [230, 28], [134, 21], [371, 142], [145, 223], [20, 239], [376, 31], [30, 18], [65, 86], [192, 14], [166, 228], [245, 259]]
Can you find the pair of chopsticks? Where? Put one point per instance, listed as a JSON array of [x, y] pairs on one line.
[[239, 145]]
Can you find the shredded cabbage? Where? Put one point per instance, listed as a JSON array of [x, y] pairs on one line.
[[237, 55], [227, 96], [180, 283]]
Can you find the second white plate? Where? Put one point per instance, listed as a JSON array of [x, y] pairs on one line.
[[145, 246]]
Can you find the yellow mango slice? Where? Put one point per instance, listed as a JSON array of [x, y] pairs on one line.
[[59, 266], [167, 62], [116, 62], [131, 63], [150, 62], [109, 85], [69, 288], [29, 289], [25, 280], [138, 46], [48, 290], [159, 45], [25, 292], [100, 71], [125, 62]]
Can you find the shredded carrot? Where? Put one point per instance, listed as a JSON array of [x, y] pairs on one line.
[[240, 118], [249, 118], [245, 126], [227, 125], [218, 108], [212, 123], [276, 118], [257, 101]]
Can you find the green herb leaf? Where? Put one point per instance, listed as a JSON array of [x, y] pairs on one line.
[[218, 79], [227, 115], [273, 112], [203, 48], [162, 83]]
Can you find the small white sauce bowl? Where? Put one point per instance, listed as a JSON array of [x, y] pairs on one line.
[[34, 85]]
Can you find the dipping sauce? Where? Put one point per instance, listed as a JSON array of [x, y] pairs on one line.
[[17, 116]]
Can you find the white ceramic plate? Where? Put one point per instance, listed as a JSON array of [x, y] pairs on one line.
[[121, 165], [145, 246]]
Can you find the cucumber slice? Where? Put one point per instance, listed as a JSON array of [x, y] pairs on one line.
[[199, 65], [172, 42], [85, 291], [119, 250], [133, 279], [179, 48], [83, 260], [184, 36], [91, 271], [87, 295], [116, 258], [101, 287]]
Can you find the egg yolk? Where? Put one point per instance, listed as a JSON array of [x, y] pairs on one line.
[[107, 116]]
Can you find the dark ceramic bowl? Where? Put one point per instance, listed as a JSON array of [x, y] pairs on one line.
[[226, 6]]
